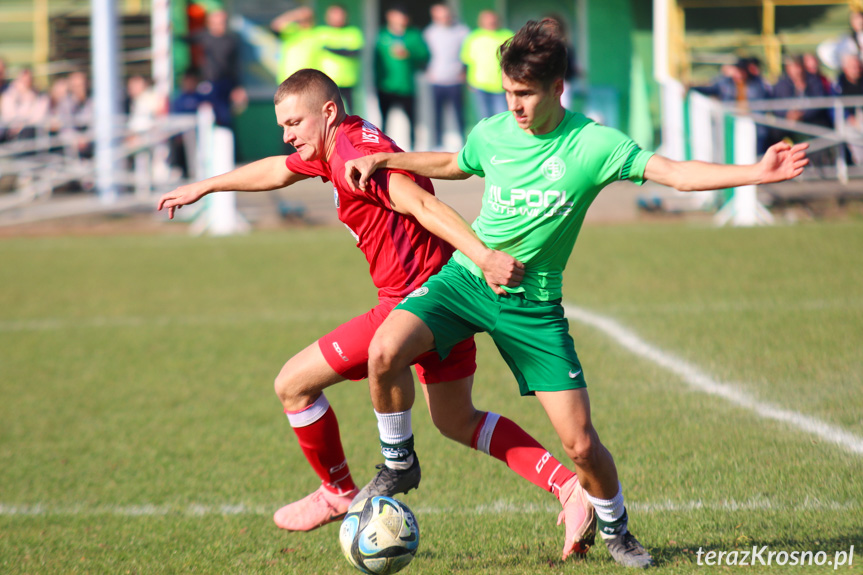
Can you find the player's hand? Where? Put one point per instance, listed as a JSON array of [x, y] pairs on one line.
[[501, 269], [182, 196], [782, 161], [359, 170]]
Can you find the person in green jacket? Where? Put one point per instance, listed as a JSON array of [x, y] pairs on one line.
[[479, 54], [399, 53], [340, 47]]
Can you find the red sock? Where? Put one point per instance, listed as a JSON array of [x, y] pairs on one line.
[[503, 439], [322, 445]]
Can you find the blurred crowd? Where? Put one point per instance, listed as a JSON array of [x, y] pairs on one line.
[[833, 70], [451, 55], [454, 59]]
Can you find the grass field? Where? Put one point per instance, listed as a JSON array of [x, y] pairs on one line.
[[139, 432]]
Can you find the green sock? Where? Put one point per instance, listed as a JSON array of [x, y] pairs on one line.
[[398, 455], [613, 528]]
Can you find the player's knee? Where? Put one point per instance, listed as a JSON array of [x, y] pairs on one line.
[[583, 449], [383, 357], [288, 389]]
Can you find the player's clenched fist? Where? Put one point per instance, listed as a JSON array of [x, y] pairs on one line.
[[501, 269]]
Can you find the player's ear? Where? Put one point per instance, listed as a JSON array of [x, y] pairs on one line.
[[331, 112], [558, 87]]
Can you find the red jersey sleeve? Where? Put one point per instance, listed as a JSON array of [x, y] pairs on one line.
[[299, 166]]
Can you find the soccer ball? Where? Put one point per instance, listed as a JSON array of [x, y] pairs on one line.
[[379, 535]]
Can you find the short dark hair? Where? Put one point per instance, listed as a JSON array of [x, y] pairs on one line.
[[537, 53], [312, 84]]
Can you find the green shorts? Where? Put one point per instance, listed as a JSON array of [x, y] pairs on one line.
[[532, 336]]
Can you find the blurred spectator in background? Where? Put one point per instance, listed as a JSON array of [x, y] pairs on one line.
[[4, 83], [571, 67], [479, 53], [757, 88], [445, 73], [812, 67], [340, 51], [399, 53], [300, 47], [729, 85], [80, 113], [831, 51], [220, 69], [59, 110], [795, 83], [186, 102], [22, 108], [850, 83], [189, 98], [143, 103], [741, 83]]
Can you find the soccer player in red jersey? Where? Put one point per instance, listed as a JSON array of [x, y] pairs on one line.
[[406, 235]]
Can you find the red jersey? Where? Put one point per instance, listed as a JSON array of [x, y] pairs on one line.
[[401, 253]]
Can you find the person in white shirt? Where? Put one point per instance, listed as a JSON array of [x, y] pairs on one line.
[[444, 37]]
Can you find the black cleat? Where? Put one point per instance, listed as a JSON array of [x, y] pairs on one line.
[[388, 481]]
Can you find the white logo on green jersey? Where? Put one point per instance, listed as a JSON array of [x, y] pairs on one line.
[[531, 203], [553, 168], [495, 161]]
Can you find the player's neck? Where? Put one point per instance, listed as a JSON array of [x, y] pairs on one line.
[[330, 146], [550, 124]]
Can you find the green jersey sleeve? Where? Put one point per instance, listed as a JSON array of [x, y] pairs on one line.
[[616, 156], [469, 156]]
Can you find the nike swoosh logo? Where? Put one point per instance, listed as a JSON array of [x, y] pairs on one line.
[[495, 161], [574, 375]]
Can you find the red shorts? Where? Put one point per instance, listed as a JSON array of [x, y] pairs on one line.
[[346, 349]]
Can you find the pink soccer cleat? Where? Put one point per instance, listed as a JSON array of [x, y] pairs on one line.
[[579, 517], [313, 510]]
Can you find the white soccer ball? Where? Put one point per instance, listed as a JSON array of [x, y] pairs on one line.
[[379, 535]]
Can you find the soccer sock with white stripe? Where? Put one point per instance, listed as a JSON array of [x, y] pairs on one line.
[[317, 430], [397, 438], [611, 515], [503, 439]]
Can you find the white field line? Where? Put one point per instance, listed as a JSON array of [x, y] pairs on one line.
[[500, 507], [811, 305], [700, 381]]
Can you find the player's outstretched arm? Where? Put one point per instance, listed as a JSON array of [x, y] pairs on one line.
[[499, 268], [781, 162], [437, 165], [263, 175]]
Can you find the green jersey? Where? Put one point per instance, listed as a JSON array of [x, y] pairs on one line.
[[538, 189]]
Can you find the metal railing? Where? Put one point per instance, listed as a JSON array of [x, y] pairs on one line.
[[32, 169]]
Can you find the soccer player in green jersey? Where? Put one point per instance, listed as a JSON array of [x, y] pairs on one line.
[[543, 166]]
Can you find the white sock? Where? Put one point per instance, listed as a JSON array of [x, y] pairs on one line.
[[608, 510]]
